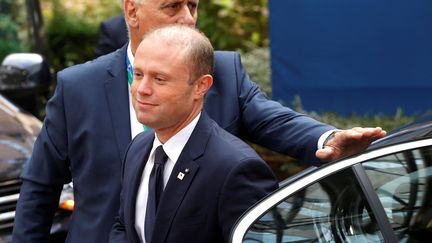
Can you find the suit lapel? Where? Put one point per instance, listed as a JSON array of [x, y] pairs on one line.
[[136, 163], [171, 200], [117, 94], [177, 188]]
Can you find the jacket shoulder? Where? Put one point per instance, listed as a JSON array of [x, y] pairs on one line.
[[141, 139], [231, 145], [224, 55], [104, 66], [89, 66], [227, 64]]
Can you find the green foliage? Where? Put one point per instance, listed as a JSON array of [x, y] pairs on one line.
[[257, 65], [70, 41], [13, 29], [72, 33], [9, 41], [234, 25], [240, 25]]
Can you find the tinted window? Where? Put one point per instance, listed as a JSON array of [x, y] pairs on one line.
[[332, 210], [403, 183]]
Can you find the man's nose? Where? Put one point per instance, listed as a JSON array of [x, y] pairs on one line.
[[144, 87], [186, 16]]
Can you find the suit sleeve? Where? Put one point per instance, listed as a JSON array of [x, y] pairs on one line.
[[43, 176], [245, 185], [35, 211], [272, 125], [118, 231]]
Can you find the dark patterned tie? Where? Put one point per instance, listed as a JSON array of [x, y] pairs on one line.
[[155, 191]]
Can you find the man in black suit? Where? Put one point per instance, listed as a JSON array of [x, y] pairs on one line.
[[89, 123], [211, 176], [112, 35]]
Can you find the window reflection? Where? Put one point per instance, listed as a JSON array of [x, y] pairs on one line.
[[403, 183], [332, 210]]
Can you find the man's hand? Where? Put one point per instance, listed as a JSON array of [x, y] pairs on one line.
[[348, 142]]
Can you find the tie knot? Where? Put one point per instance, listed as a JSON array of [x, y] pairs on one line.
[[160, 156]]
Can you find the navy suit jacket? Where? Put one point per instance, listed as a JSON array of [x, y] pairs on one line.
[[225, 177], [112, 35], [87, 129]]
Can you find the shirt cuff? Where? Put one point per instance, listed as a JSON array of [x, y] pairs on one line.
[[324, 138]]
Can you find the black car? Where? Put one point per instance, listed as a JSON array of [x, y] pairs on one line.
[[18, 131], [381, 195]]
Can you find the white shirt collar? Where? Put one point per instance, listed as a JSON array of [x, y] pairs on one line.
[[174, 146], [129, 54]]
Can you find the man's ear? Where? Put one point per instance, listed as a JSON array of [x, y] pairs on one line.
[[203, 84], [130, 12]]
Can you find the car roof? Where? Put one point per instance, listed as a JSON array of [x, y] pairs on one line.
[[421, 128]]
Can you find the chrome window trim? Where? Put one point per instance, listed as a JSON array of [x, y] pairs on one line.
[[4, 217], [9, 198], [258, 210]]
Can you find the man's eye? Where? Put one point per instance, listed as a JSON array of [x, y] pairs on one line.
[[159, 80], [137, 75], [192, 6], [174, 5]]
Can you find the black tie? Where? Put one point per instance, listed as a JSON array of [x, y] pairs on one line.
[[155, 191]]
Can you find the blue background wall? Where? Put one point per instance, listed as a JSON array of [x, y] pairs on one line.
[[352, 56]]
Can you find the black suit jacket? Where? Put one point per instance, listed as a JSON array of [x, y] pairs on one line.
[[87, 129], [225, 177], [112, 35]]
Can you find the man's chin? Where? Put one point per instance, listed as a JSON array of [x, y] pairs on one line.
[[145, 121]]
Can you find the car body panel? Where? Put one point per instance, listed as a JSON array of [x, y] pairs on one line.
[[18, 132]]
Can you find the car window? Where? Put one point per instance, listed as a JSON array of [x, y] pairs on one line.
[[331, 210], [403, 182]]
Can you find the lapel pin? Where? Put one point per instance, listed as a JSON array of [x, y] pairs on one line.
[[186, 170], [180, 176]]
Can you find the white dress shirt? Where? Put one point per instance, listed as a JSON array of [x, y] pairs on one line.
[[173, 148]]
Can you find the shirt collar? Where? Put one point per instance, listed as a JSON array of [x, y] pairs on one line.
[[129, 54], [174, 146]]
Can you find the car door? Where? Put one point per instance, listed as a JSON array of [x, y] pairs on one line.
[[380, 196]]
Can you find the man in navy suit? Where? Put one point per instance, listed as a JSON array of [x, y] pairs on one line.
[[211, 176], [90, 121]]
